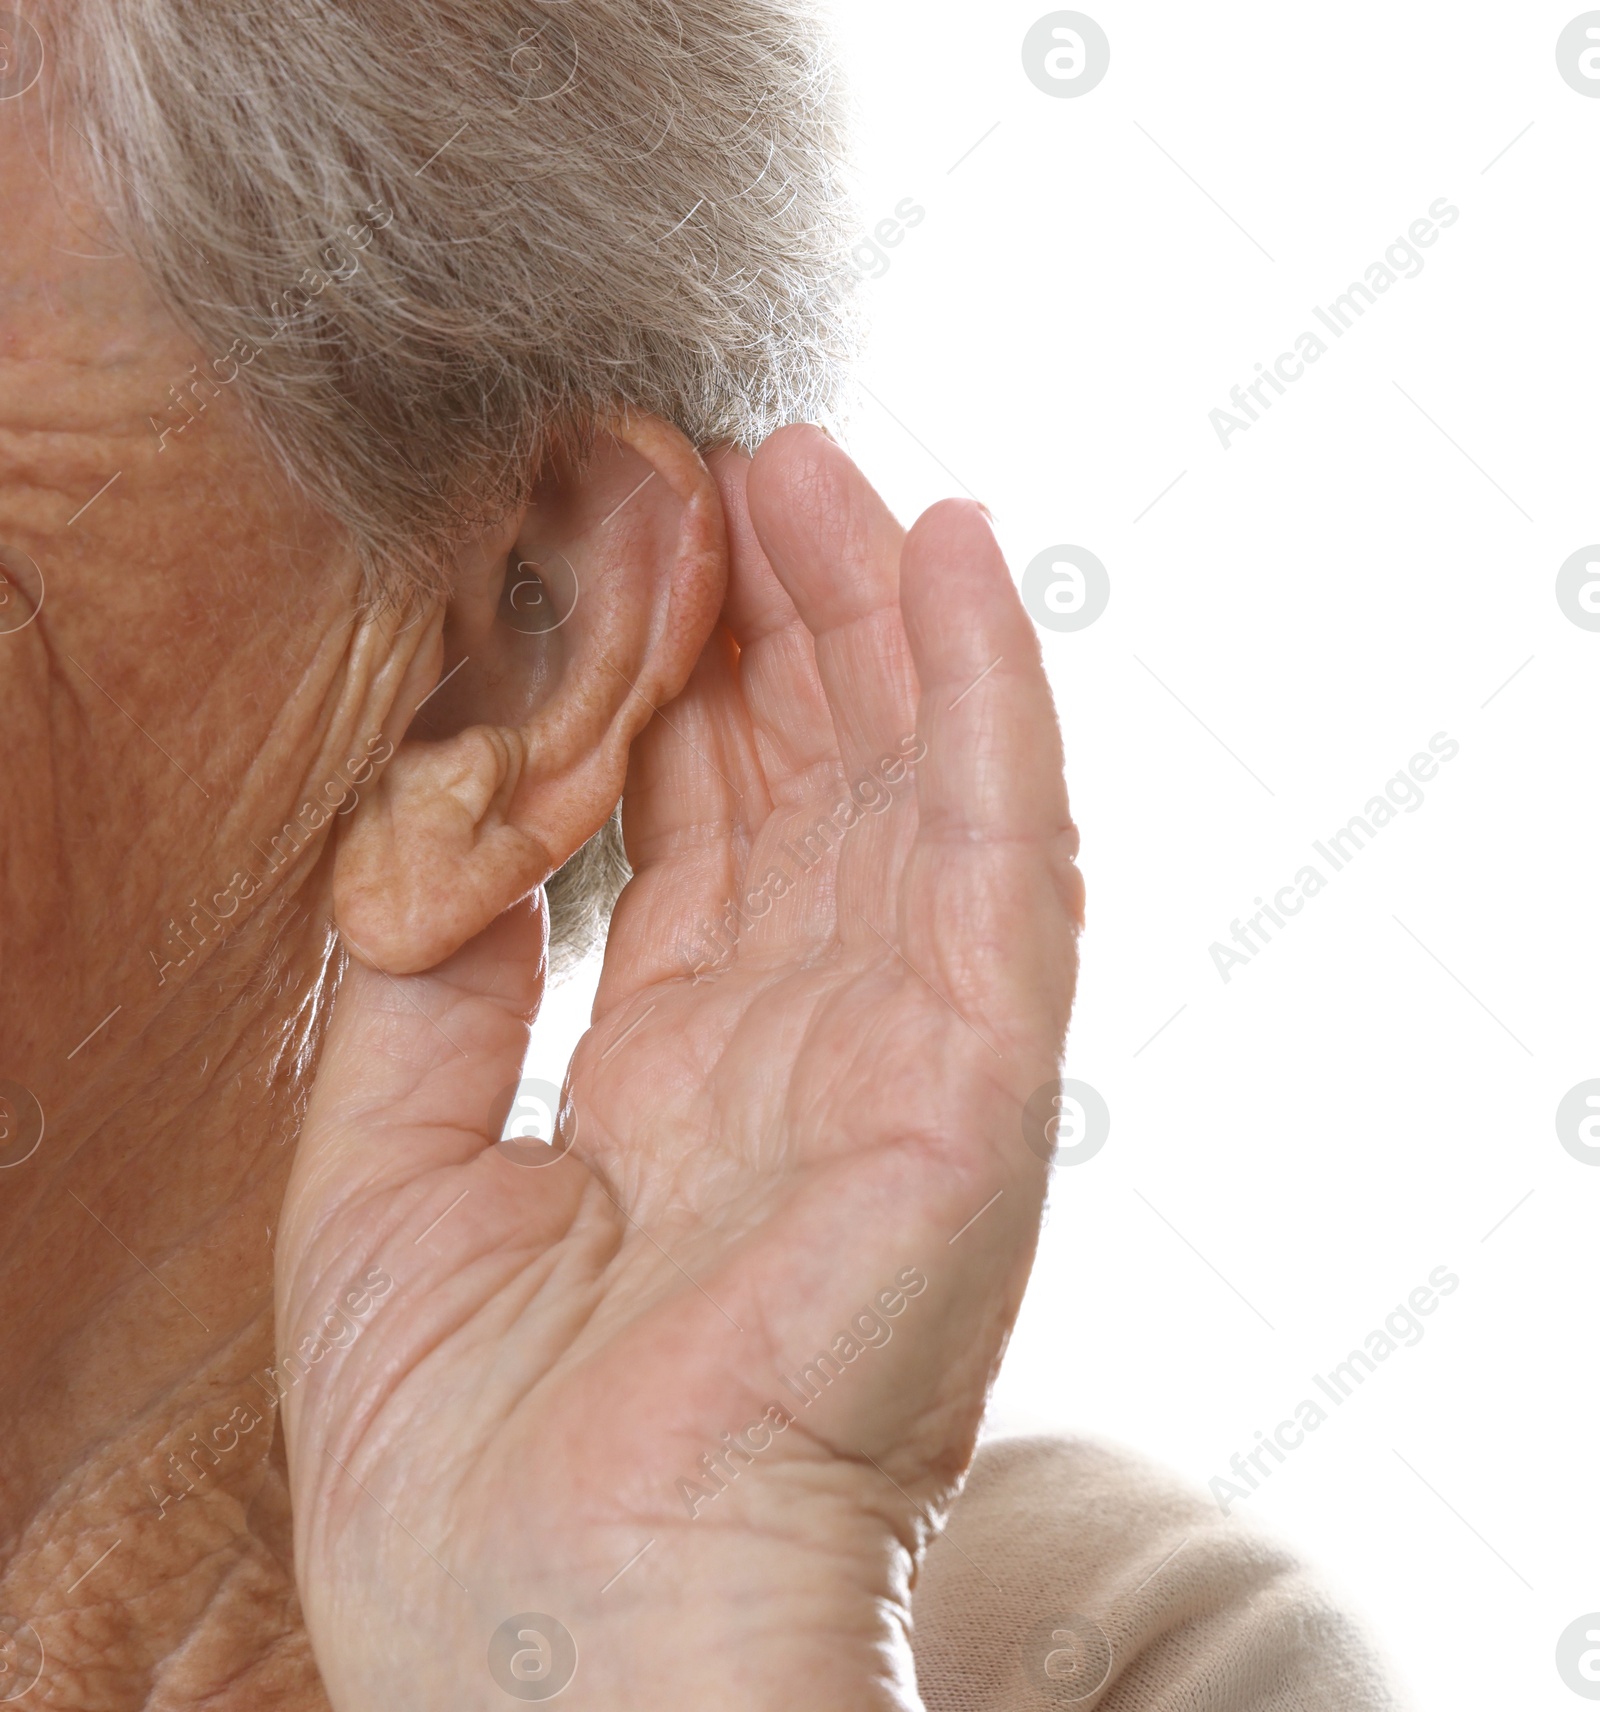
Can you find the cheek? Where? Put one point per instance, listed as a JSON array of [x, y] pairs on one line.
[[180, 610]]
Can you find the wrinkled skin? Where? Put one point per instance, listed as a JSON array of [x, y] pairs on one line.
[[766, 1134]]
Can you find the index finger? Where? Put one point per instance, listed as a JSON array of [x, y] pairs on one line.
[[835, 547]]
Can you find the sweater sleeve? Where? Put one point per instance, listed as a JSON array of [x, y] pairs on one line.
[[1072, 1574]]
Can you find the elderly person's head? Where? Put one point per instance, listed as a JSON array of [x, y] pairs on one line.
[[337, 344]]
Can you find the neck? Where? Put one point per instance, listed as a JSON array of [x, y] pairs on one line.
[[144, 1522]]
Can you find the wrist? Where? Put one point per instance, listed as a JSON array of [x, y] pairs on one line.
[[798, 1597]]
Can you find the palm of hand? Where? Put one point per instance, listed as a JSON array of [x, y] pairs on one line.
[[792, 1134]]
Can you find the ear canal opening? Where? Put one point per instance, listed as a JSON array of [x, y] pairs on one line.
[[539, 595]]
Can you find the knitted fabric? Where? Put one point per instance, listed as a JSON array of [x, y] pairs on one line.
[[1074, 1575]]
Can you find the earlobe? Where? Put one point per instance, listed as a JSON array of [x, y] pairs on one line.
[[463, 825], [432, 858]]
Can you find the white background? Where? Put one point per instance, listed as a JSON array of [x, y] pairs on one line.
[[1361, 1103]]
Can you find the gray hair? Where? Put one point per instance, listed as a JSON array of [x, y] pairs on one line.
[[435, 244]]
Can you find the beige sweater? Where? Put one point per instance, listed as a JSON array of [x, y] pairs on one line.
[[1074, 1575]]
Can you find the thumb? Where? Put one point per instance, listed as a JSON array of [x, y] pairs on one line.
[[410, 1069]]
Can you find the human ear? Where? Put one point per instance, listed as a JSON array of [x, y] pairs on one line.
[[570, 624]]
